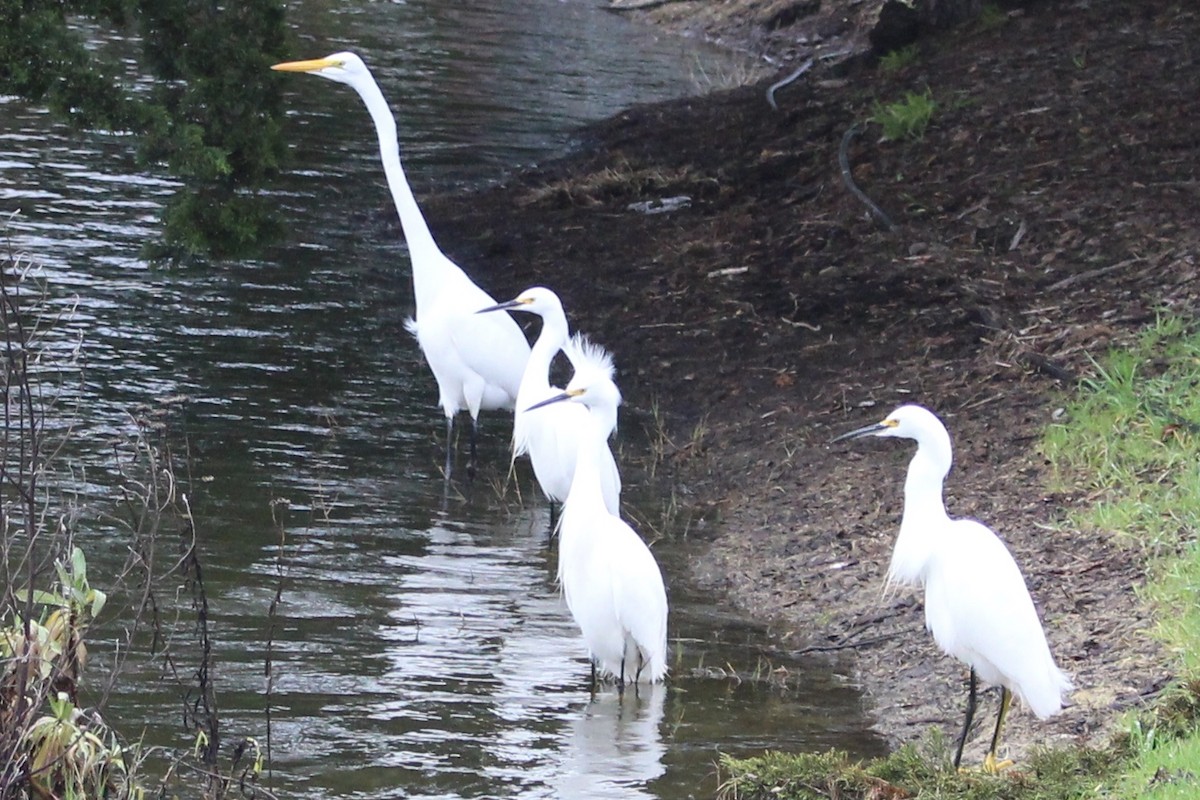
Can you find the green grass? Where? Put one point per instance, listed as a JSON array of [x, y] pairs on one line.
[[912, 771], [895, 60], [1130, 443], [991, 17], [907, 118], [1166, 772], [1132, 440]]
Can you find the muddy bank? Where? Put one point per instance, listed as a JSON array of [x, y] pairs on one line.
[[1049, 210]]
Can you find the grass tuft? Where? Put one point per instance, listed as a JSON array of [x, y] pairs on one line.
[[991, 17], [907, 118], [1131, 440], [620, 183], [911, 771], [895, 60]]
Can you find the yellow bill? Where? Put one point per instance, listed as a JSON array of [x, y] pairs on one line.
[[312, 65]]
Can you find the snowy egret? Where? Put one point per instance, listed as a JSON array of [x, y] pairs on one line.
[[976, 603], [552, 436], [610, 580], [477, 361]]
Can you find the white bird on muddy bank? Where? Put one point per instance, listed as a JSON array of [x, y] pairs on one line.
[[976, 603], [553, 436], [610, 580], [477, 361]]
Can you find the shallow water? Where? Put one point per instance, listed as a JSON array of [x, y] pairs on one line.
[[422, 647]]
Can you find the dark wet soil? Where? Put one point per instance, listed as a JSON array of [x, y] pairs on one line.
[[1051, 208]]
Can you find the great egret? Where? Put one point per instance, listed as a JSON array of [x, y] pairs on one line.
[[552, 436], [477, 361], [610, 580], [976, 603]]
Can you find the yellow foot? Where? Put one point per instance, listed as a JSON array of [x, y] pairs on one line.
[[993, 766]]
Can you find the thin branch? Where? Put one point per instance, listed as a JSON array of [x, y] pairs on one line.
[[1081, 277], [848, 179], [843, 645], [803, 68], [639, 5]]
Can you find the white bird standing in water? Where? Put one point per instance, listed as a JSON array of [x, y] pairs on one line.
[[477, 361], [553, 436], [976, 603], [610, 580]]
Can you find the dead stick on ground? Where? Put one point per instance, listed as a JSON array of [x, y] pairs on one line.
[[1091, 273], [863, 625], [1042, 364], [829, 648], [848, 179], [638, 5], [803, 68]]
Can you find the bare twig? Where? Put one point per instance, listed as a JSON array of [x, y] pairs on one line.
[[1088, 275], [638, 5], [1045, 365], [844, 645], [278, 507], [803, 68], [848, 179]]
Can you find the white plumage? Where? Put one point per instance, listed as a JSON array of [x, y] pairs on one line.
[[979, 610], [976, 603], [477, 361], [610, 580], [552, 436]]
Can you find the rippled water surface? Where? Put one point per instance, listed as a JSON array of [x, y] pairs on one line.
[[422, 649]]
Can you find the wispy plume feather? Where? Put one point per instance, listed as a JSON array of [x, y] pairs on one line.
[[589, 358]]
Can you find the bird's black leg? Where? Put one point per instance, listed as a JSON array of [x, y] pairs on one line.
[[962, 740], [991, 764], [449, 446], [594, 683], [621, 681], [474, 442], [554, 513]]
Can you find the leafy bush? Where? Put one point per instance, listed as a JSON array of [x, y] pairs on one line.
[[54, 743]]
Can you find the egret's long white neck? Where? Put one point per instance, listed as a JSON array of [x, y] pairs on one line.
[[553, 336], [586, 487], [924, 509], [923, 485], [416, 231], [605, 419]]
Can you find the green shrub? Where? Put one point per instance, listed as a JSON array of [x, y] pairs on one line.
[[907, 118], [896, 60]]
